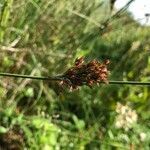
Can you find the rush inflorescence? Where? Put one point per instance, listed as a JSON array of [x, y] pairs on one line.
[[82, 73]]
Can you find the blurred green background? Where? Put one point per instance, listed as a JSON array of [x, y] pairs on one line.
[[43, 38]]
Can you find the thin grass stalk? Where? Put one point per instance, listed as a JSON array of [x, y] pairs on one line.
[[60, 78]]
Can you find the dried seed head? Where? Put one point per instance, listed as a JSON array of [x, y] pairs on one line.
[[88, 74], [79, 61]]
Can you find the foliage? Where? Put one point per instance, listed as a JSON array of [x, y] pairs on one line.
[[41, 37]]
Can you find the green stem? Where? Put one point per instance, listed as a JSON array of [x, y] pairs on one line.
[[56, 78], [59, 78], [129, 82]]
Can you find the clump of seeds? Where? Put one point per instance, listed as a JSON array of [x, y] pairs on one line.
[[81, 73]]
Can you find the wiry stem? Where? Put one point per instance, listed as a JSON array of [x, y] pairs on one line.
[[129, 82], [56, 78], [60, 78]]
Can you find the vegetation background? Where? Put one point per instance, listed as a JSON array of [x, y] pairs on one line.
[[43, 38]]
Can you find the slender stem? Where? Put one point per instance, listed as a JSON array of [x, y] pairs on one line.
[[58, 78], [129, 82], [31, 77]]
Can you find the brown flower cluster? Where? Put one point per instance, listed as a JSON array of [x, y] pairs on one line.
[[88, 74]]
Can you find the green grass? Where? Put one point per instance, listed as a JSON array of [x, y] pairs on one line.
[[43, 38]]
